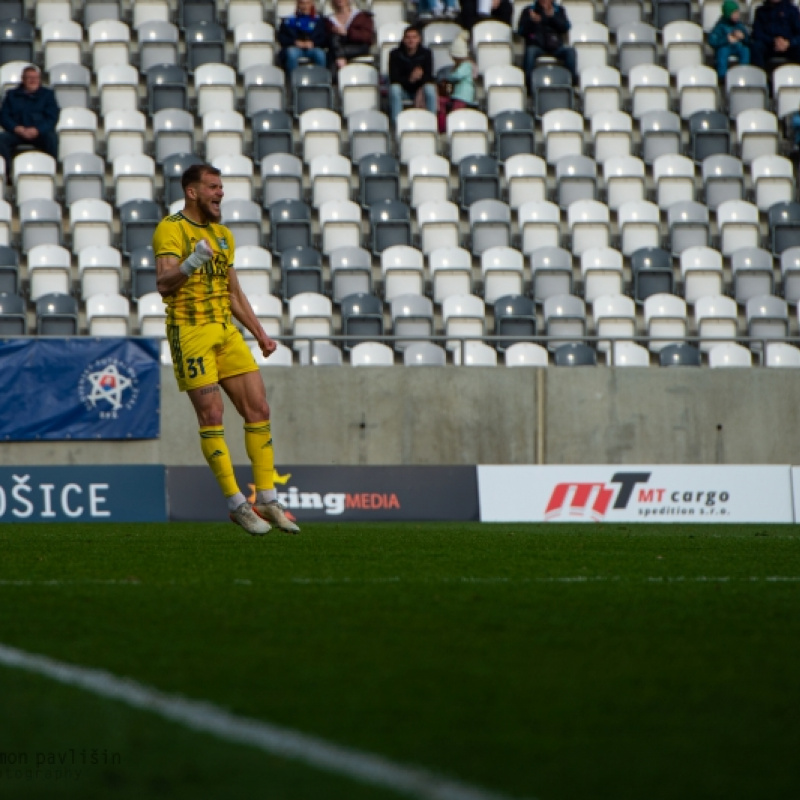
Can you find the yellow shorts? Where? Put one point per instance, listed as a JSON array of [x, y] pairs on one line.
[[205, 354]]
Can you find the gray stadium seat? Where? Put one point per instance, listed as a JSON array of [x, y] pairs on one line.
[[57, 315], [13, 315], [362, 315]]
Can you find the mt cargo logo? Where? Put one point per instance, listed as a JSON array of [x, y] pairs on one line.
[[593, 499], [658, 493]]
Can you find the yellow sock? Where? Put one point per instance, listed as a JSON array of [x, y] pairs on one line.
[[258, 443], [212, 443]]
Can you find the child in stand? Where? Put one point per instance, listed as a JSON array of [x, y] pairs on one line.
[[457, 87], [729, 37]]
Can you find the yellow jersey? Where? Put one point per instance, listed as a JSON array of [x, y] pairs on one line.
[[205, 297]]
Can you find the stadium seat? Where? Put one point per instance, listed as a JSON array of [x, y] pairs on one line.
[[779, 354], [371, 354], [612, 135], [340, 225], [151, 315], [674, 178], [312, 88], [99, 270], [757, 134], [158, 43], [424, 354], [84, 177], [429, 180], [637, 45], [463, 316], [450, 271], [652, 273], [244, 219], [660, 134], [589, 225], [34, 176], [362, 316], [679, 355], [784, 226], [417, 134], [134, 178], [125, 133], [615, 317], [729, 354], [118, 88], [70, 83], [576, 179], [107, 315], [551, 88], [412, 321], [269, 312], [601, 90], [9, 270], [525, 179], [57, 315], [272, 133], [109, 41], [790, 274], [320, 131], [502, 271], [563, 134], [601, 272], [628, 354], [358, 88], [49, 271], [590, 41], [688, 226], [351, 272], [773, 181], [329, 176], [379, 178], [526, 354], [665, 321], [214, 87], [13, 315], [624, 177], [649, 87], [492, 44], [40, 223], [697, 91], [723, 180], [716, 318], [61, 42], [539, 225], [173, 133], [368, 134], [310, 317], [574, 354], [489, 225], [709, 135], [390, 224], [505, 90], [475, 354], [264, 89], [551, 273], [515, 319], [683, 45], [753, 273], [479, 179], [138, 220], [513, 134], [301, 271], [77, 131], [745, 87], [738, 225], [253, 41], [467, 134], [701, 272], [564, 320], [143, 271], [402, 271], [91, 222], [767, 320], [17, 39], [254, 269], [223, 133], [205, 44], [281, 178]]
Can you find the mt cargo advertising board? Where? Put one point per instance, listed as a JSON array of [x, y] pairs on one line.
[[615, 493], [334, 493]]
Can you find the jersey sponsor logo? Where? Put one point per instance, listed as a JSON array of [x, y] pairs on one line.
[[109, 386]]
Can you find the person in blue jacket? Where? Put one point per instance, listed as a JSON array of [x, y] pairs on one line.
[[303, 35], [729, 37], [29, 115], [776, 33]]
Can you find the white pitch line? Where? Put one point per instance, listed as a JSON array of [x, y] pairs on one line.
[[273, 739]]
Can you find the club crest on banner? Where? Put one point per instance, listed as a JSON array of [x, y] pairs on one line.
[[109, 386]]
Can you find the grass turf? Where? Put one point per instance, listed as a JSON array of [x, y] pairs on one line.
[[557, 662]]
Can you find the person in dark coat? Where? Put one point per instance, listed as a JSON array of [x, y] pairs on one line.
[[29, 115], [303, 35], [475, 11], [352, 33], [543, 27], [411, 74], [776, 33]]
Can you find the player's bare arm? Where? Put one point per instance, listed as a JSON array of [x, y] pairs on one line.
[[172, 273], [243, 311]]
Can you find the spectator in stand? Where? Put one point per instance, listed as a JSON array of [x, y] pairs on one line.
[[351, 31], [729, 37], [303, 35], [776, 33], [457, 87], [433, 9], [28, 115], [411, 74], [543, 26], [475, 11]]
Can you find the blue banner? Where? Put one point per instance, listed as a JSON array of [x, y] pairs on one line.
[[107, 493], [79, 388]]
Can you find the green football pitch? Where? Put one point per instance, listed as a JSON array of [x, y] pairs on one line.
[[560, 662]]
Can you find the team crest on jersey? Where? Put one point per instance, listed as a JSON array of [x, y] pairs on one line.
[[222, 242]]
